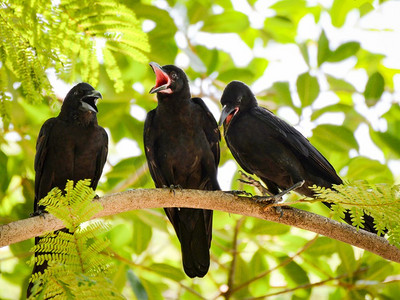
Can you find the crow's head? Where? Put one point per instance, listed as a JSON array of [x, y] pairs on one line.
[[80, 104], [82, 97], [169, 80], [236, 98]]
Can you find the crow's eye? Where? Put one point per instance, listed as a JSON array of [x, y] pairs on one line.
[[239, 99], [174, 75]]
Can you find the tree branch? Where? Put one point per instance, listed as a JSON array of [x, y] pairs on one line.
[[217, 200]]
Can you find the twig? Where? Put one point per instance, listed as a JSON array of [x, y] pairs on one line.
[[115, 255], [282, 264], [251, 181], [308, 285], [232, 268]]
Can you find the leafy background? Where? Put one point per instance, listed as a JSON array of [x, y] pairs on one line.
[[311, 62]]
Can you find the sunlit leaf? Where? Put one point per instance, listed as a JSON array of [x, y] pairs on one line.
[[348, 262], [228, 21], [342, 85], [281, 29], [141, 236], [168, 271], [333, 138], [307, 88], [323, 48], [344, 51], [120, 235], [281, 93], [374, 88], [340, 9], [368, 169]]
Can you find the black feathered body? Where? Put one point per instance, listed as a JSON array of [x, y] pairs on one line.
[[181, 140], [267, 146], [275, 151], [68, 151]]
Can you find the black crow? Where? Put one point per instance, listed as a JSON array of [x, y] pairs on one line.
[[181, 140], [71, 146], [275, 151]]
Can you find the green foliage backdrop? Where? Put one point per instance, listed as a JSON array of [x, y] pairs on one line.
[[108, 43]]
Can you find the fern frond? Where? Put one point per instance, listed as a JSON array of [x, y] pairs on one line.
[[380, 201], [77, 260], [37, 35]]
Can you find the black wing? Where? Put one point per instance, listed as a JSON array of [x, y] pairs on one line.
[[40, 157], [296, 141], [100, 159], [211, 129], [149, 148]]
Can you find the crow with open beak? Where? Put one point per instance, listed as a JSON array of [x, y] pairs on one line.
[[71, 146], [181, 140], [275, 151]]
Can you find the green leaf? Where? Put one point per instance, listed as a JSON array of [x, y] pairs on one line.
[[258, 265], [281, 29], [322, 246], [374, 89], [152, 218], [387, 142], [368, 169], [344, 51], [333, 138], [136, 285], [281, 93], [141, 236], [331, 109], [258, 66], [228, 21], [340, 9], [262, 227], [339, 85], [4, 180], [323, 48], [168, 271], [365, 9], [348, 262], [242, 275], [307, 89], [379, 270], [243, 74], [295, 275], [304, 52], [120, 235]]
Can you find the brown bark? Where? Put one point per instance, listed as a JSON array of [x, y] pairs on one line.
[[217, 200]]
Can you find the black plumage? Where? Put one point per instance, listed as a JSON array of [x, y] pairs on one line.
[[71, 146], [270, 148], [181, 140]]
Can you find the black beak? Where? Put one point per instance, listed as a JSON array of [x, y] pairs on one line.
[[162, 79], [89, 101], [226, 111]]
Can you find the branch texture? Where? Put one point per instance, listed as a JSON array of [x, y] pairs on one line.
[[216, 200]]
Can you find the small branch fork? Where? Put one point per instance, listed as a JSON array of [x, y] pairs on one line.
[[216, 200]]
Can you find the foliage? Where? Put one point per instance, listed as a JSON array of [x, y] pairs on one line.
[[38, 35], [380, 201], [311, 62], [77, 262]]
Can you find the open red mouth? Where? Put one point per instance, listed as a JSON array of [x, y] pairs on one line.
[[162, 80], [231, 115]]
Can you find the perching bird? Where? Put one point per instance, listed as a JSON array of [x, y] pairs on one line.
[[71, 146], [270, 148], [181, 140]]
